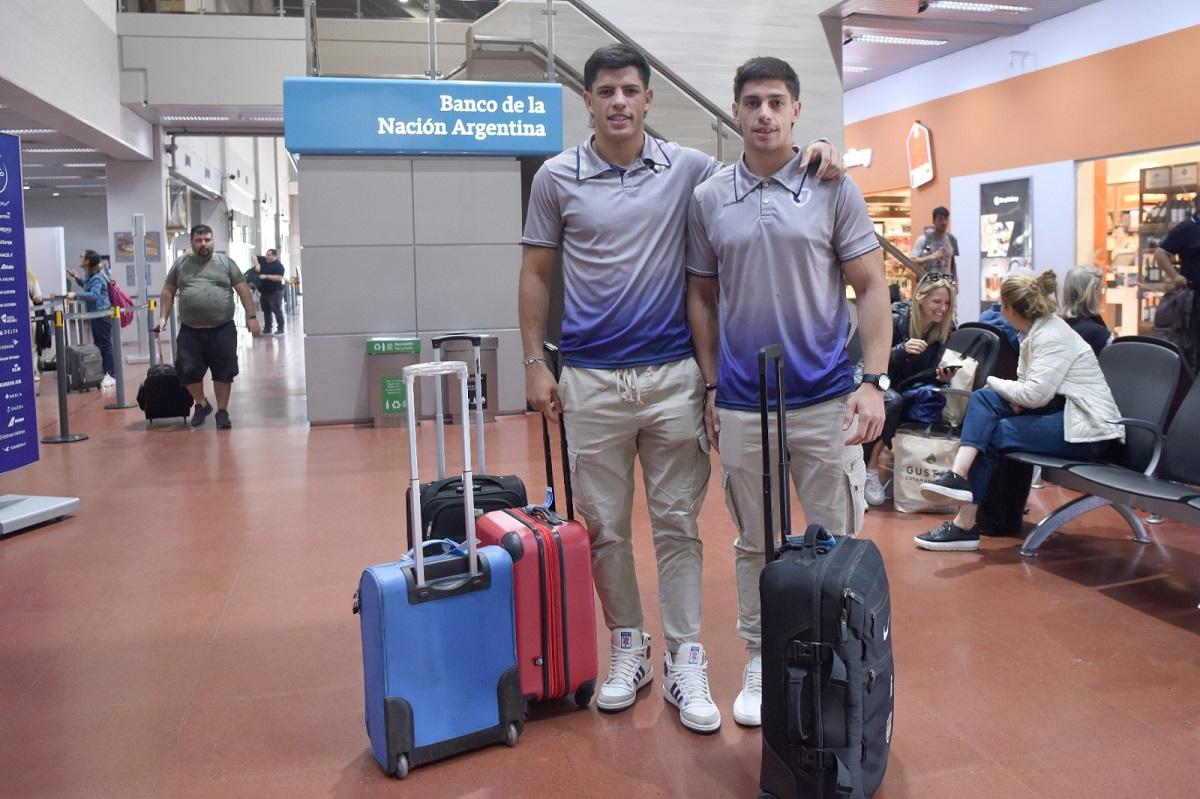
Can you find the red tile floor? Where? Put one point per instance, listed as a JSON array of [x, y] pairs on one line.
[[189, 634]]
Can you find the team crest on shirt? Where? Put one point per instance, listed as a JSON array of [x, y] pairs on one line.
[[802, 197]]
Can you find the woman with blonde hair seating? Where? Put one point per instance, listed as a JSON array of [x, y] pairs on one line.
[[1060, 404]]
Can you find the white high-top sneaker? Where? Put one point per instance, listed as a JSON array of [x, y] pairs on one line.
[[686, 687], [873, 489], [747, 708], [628, 669]]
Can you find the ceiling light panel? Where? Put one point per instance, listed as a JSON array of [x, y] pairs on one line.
[[982, 8], [856, 69], [97, 165], [28, 131], [871, 38], [59, 150], [196, 118]]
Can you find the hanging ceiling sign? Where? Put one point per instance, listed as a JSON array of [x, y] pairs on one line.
[[920, 155], [371, 116]]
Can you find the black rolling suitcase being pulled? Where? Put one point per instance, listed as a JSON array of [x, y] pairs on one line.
[[828, 678], [442, 499], [161, 395]]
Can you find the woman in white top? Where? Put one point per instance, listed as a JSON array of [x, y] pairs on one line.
[[1060, 404]]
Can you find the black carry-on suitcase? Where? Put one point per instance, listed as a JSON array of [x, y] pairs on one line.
[[161, 395], [442, 499], [828, 679]]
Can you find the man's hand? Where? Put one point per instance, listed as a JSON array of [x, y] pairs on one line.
[[254, 327], [915, 346], [712, 422], [1180, 282], [827, 156], [945, 374], [159, 326], [70, 295], [1016, 408], [867, 404], [541, 391]]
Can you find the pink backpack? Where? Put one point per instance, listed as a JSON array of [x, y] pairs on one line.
[[120, 299]]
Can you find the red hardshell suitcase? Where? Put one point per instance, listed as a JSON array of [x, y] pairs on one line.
[[552, 588]]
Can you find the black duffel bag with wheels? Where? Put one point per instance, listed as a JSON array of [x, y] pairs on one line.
[[828, 680]]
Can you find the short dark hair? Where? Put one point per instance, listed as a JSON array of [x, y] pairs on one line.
[[941, 211], [272, 252], [766, 68], [615, 56], [199, 230], [92, 258]]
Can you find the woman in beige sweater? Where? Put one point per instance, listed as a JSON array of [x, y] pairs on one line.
[[1059, 405]]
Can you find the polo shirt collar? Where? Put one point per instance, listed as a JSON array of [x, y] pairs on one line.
[[589, 164], [789, 176]]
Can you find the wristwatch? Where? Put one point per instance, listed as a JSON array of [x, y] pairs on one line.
[[882, 382]]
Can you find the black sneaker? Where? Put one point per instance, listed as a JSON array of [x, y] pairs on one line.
[[201, 413], [223, 422], [949, 536], [948, 485]]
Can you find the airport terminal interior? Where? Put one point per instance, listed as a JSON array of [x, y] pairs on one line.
[[182, 622]]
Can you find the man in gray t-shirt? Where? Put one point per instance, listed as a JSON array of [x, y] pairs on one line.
[[936, 248], [205, 283]]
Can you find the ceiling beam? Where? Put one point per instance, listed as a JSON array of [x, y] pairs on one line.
[[927, 26]]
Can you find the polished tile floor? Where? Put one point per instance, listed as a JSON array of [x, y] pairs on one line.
[[189, 634]]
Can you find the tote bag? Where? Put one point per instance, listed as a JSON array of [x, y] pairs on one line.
[[920, 453]]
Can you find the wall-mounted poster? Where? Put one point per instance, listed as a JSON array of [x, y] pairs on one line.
[[1005, 234], [153, 247], [123, 247]]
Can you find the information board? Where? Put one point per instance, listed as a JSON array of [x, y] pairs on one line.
[[374, 116], [18, 418]]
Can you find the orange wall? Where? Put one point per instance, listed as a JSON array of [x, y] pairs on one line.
[[1139, 97]]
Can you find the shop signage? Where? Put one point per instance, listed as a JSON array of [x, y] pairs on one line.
[[18, 418], [362, 116], [920, 155], [1005, 234], [855, 157]]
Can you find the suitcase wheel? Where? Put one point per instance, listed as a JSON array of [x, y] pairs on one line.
[[513, 735], [401, 767], [583, 694]]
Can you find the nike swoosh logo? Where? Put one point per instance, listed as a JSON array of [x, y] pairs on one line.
[[887, 629]]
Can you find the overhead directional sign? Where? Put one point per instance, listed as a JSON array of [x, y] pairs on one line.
[[372, 116]]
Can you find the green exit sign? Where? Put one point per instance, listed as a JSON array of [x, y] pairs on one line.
[[379, 345]]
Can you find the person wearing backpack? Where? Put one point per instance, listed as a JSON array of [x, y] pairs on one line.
[[95, 297]]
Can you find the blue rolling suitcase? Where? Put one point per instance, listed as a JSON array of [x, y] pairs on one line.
[[438, 635]]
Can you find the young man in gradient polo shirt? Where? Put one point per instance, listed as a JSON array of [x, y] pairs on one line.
[[616, 206], [773, 249]]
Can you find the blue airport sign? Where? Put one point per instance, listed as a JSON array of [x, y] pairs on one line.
[[18, 417], [375, 116]]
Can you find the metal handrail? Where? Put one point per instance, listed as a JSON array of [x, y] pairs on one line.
[[658, 66], [899, 255], [575, 78]]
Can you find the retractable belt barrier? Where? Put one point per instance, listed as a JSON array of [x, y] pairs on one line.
[[65, 436]]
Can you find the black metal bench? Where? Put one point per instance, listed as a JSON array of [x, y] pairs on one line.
[[1152, 470]]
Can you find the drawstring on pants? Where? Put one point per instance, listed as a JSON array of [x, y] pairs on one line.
[[627, 386]]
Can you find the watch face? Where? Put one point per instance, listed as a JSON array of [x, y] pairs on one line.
[[885, 382]]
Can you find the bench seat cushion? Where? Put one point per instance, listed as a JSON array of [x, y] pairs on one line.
[[1136, 483]]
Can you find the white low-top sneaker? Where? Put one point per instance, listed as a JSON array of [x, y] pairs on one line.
[[108, 382], [628, 669], [747, 708], [686, 687]]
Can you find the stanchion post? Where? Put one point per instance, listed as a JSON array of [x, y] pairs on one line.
[[118, 364], [151, 307], [65, 436]]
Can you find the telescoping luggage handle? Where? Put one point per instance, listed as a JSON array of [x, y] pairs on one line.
[[766, 355], [553, 360], [476, 340], [437, 369], [814, 532]]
